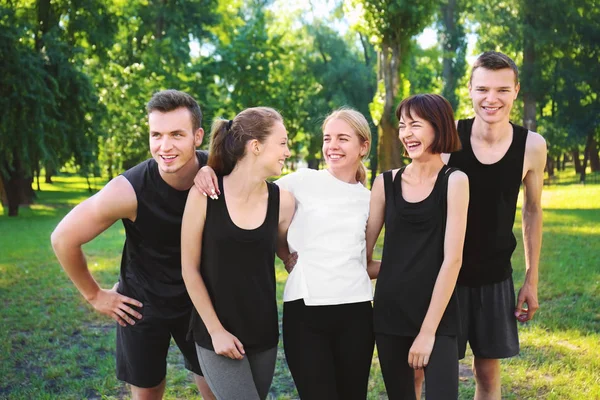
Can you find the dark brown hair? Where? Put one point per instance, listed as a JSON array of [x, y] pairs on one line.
[[228, 138], [438, 112], [170, 100], [495, 61]]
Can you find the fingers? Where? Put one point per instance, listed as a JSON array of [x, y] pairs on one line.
[[129, 300], [418, 360], [290, 261], [215, 183], [239, 346]]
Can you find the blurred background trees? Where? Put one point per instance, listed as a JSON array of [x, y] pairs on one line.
[[76, 74]]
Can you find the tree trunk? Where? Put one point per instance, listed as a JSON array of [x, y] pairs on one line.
[[389, 144], [564, 161], [550, 166], [3, 198], [576, 160], [593, 155], [586, 156], [529, 73], [14, 185], [452, 38], [312, 163]]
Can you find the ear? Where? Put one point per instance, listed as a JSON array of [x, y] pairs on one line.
[[254, 147], [198, 136], [364, 147], [517, 88]]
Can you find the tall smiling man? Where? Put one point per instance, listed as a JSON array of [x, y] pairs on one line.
[[150, 302], [497, 156]]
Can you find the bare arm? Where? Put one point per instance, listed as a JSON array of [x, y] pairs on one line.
[[287, 208], [192, 229], [375, 224], [207, 183], [454, 238], [86, 221], [535, 160]]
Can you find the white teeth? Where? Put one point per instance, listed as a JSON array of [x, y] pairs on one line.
[[491, 108], [335, 156], [168, 157]]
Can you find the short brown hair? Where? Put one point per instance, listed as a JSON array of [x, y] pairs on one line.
[[228, 138], [494, 60], [436, 110], [170, 100]]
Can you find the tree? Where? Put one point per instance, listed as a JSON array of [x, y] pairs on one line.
[[393, 23]]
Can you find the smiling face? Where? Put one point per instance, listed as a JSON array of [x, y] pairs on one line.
[[172, 140], [274, 150], [416, 134], [342, 147], [493, 93]]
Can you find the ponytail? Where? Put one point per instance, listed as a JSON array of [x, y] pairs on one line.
[[228, 138], [223, 152], [361, 174]]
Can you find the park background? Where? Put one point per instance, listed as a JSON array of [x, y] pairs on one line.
[[75, 77]]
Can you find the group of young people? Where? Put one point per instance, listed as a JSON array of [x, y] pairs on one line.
[[198, 263]]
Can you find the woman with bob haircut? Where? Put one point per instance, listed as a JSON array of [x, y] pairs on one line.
[[228, 253], [424, 208], [327, 312]]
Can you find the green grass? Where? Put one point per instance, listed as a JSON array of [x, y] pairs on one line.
[[52, 345]]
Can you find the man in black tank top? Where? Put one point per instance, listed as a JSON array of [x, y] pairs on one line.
[[150, 302], [497, 156]]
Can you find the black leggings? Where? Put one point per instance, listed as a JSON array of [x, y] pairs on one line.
[[441, 374], [329, 349]]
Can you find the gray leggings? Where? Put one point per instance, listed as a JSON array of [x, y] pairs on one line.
[[247, 379]]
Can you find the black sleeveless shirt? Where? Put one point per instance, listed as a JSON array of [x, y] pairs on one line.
[[494, 189], [413, 253], [238, 269], [151, 262]]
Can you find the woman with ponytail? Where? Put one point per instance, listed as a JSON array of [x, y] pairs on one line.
[[228, 252], [327, 315]]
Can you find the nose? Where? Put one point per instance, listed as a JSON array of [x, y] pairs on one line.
[[287, 153], [166, 143], [491, 96]]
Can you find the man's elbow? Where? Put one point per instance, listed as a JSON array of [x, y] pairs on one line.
[[57, 240]]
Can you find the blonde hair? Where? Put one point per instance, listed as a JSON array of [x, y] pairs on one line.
[[360, 126]]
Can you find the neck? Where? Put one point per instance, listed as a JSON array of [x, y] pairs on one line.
[[345, 175], [491, 133], [425, 167], [244, 180], [184, 178]]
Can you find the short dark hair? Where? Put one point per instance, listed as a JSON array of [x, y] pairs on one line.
[[494, 60], [170, 99], [228, 138], [436, 110]]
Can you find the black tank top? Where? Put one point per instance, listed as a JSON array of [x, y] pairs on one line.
[[494, 189], [238, 269], [151, 262], [413, 253]]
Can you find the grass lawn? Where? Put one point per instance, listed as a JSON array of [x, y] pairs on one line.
[[53, 346]]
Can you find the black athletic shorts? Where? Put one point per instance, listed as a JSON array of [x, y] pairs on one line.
[[488, 321], [142, 348]]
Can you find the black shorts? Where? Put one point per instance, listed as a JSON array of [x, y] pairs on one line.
[[142, 348], [488, 321]]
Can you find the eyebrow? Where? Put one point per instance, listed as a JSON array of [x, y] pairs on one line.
[[499, 87], [169, 133]]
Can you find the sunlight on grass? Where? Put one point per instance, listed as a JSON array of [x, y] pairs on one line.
[[55, 346]]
